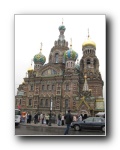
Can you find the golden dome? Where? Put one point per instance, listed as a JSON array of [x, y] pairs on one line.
[[89, 42], [30, 68]]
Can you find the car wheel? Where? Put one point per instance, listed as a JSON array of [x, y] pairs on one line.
[[76, 127], [103, 128]]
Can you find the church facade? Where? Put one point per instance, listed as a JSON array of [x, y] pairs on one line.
[[62, 81]]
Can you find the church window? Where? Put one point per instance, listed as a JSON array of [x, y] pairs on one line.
[[41, 102], [66, 103], [56, 58], [48, 87], [20, 101], [88, 63], [71, 64], [30, 102], [95, 64], [31, 87], [53, 72], [67, 87], [43, 87], [63, 60], [46, 102], [53, 87], [67, 64]]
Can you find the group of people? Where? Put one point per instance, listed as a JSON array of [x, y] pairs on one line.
[[61, 119], [41, 118]]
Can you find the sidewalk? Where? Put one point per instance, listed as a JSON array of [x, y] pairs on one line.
[[43, 125]]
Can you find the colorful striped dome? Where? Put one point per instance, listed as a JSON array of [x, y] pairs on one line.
[[70, 55], [39, 58]]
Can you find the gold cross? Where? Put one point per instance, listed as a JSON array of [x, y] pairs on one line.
[[41, 46], [88, 33], [62, 20]]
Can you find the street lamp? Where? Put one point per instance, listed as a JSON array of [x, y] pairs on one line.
[[49, 124], [66, 105]]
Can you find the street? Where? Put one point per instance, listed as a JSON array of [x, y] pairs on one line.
[[51, 130]]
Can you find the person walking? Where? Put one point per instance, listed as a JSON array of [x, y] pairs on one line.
[[62, 119], [80, 118], [59, 119], [68, 119], [36, 118], [47, 119], [30, 117]]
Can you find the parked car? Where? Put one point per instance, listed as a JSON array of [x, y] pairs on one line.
[[92, 123]]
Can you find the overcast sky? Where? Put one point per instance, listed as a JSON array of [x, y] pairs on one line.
[[31, 30]]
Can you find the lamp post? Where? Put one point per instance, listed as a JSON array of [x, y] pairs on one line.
[[49, 124], [66, 105]]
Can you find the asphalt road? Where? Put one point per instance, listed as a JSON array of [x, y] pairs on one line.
[[39, 131]]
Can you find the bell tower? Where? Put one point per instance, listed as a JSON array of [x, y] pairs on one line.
[[56, 55], [89, 66]]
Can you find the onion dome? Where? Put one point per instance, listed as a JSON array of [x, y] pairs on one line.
[[39, 58], [62, 27], [23, 82], [70, 54], [88, 42], [30, 68]]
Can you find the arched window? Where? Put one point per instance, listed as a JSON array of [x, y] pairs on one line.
[[95, 63], [63, 60], [20, 101], [30, 102], [67, 64], [56, 58], [88, 63], [41, 102], [46, 102], [66, 103]]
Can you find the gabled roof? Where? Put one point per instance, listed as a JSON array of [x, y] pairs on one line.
[[86, 104]]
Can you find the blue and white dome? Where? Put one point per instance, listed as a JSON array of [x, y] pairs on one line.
[[70, 55]]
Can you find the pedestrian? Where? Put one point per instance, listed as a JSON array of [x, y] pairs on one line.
[[80, 117], [47, 119], [59, 119], [36, 118], [68, 119], [62, 119], [74, 118], [30, 117], [41, 118]]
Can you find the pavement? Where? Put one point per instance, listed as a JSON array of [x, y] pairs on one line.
[[43, 125]]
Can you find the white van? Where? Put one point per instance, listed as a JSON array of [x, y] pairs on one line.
[[17, 116], [100, 114]]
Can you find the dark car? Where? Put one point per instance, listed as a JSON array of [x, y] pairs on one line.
[[92, 123]]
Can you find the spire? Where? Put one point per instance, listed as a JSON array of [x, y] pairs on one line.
[[85, 86], [71, 43]]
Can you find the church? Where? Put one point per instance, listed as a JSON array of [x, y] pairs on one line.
[[63, 82]]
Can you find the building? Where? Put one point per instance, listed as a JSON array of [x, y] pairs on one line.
[[70, 85]]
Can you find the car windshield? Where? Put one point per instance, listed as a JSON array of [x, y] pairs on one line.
[[17, 112], [90, 119]]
